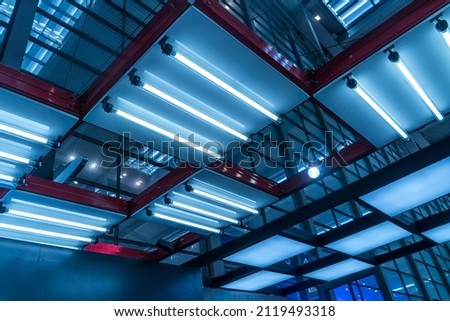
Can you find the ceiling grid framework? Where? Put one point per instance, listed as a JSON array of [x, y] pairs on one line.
[[174, 79]]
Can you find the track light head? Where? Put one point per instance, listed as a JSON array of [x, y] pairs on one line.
[[167, 200], [166, 47], [148, 212], [351, 82], [135, 80], [107, 106], [441, 25], [2, 209], [394, 56], [188, 188]]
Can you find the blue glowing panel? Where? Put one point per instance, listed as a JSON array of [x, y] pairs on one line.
[[413, 190], [268, 252], [257, 281], [440, 234], [369, 239], [339, 270]]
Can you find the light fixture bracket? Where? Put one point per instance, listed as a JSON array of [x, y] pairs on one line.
[[2, 209], [166, 47], [350, 81], [107, 106], [135, 80], [148, 212], [167, 200], [441, 24], [393, 56], [188, 188]]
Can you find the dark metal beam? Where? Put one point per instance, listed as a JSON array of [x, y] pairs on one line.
[[3, 192], [20, 29], [49, 188], [168, 14], [433, 221], [397, 25], [382, 177]]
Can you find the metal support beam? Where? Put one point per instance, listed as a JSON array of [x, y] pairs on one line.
[[3, 192], [39, 90], [180, 174], [384, 176], [245, 176], [49, 188], [397, 25], [168, 14]]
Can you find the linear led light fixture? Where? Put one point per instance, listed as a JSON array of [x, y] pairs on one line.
[[394, 57], [182, 222], [219, 199], [353, 84], [23, 134], [19, 228], [55, 220], [197, 210], [169, 51], [136, 81], [109, 108], [7, 178], [442, 26], [59, 210], [16, 158]]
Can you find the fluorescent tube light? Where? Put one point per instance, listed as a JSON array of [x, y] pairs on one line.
[[188, 63], [56, 220], [14, 158], [44, 232], [224, 200], [192, 111], [353, 84], [184, 222], [165, 133], [395, 58], [23, 134], [6, 178], [352, 10], [59, 210], [203, 212], [446, 36]]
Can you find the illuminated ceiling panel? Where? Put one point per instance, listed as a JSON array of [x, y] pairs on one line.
[[369, 239], [268, 252], [222, 201], [411, 191], [257, 281], [427, 60], [235, 65], [39, 219], [26, 134]]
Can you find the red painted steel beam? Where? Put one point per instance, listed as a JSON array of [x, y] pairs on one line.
[[117, 250], [245, 176], [49, 188], [246, 36], [149, 35], [157, 255], [344, 157], [397, 25], [3, 192], [39, 90], [162, 186]]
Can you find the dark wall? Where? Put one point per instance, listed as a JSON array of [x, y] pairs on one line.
[[34, 272]]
